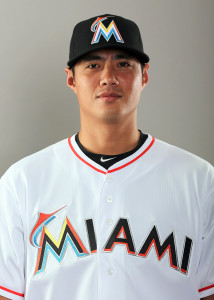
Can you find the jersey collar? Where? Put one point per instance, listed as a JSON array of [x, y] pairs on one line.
[[117, 166]]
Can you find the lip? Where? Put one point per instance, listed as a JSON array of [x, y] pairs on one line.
[[109, 96]]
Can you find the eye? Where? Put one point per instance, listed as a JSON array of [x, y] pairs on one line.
[[92, 66], [124, 64]]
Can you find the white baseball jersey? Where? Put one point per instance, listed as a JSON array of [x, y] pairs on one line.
[[143, 229]]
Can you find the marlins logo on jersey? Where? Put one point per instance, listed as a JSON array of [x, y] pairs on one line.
[[99, 29], [49, 244]]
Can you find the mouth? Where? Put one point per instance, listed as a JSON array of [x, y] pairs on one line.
[[109, 96]]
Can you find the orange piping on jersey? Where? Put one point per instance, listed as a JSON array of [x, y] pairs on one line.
[[116, 169], [119, 168], [12, 292], [72, 148], [206, 288], [94, 251]]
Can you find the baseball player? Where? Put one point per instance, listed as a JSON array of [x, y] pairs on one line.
[[111, 212]]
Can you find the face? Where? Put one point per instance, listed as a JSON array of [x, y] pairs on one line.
[[108, 84]]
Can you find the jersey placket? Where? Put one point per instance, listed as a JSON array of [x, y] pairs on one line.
[[109, 211]]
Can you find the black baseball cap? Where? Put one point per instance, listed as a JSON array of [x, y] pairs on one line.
[[106, 31]]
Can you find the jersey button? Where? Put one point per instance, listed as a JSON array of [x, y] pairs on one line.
[[109, 199], [109, 221], [109, 178], [111, 271]]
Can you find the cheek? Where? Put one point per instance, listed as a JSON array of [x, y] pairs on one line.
[[85, 84], [81, 86], [85, 90], [133, 86]]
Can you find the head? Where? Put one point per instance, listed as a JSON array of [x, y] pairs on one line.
[[107, 68]]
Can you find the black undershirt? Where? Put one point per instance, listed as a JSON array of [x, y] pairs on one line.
[[107, 161]]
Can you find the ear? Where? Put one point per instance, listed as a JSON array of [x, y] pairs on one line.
[[145, 75], [70, 79]]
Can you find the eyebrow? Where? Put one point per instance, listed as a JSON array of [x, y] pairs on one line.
[[91, 57]]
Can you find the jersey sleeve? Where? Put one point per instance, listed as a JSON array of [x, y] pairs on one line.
[[206, 266], [12, 283]]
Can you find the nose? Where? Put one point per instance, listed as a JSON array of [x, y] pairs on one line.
[[108, 76]]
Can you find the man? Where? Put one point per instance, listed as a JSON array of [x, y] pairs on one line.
[[110, 213]]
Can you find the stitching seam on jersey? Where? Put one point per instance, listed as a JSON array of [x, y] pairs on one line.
[[14, 195]]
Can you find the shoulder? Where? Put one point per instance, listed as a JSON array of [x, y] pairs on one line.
[[170, 159], [176, 155], [36, 162]]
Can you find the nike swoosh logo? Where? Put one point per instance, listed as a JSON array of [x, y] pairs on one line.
[[107, 159]]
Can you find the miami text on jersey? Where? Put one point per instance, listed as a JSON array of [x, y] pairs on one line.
[[121, 235]]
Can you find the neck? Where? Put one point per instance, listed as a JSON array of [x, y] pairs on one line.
[[109, 139]]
